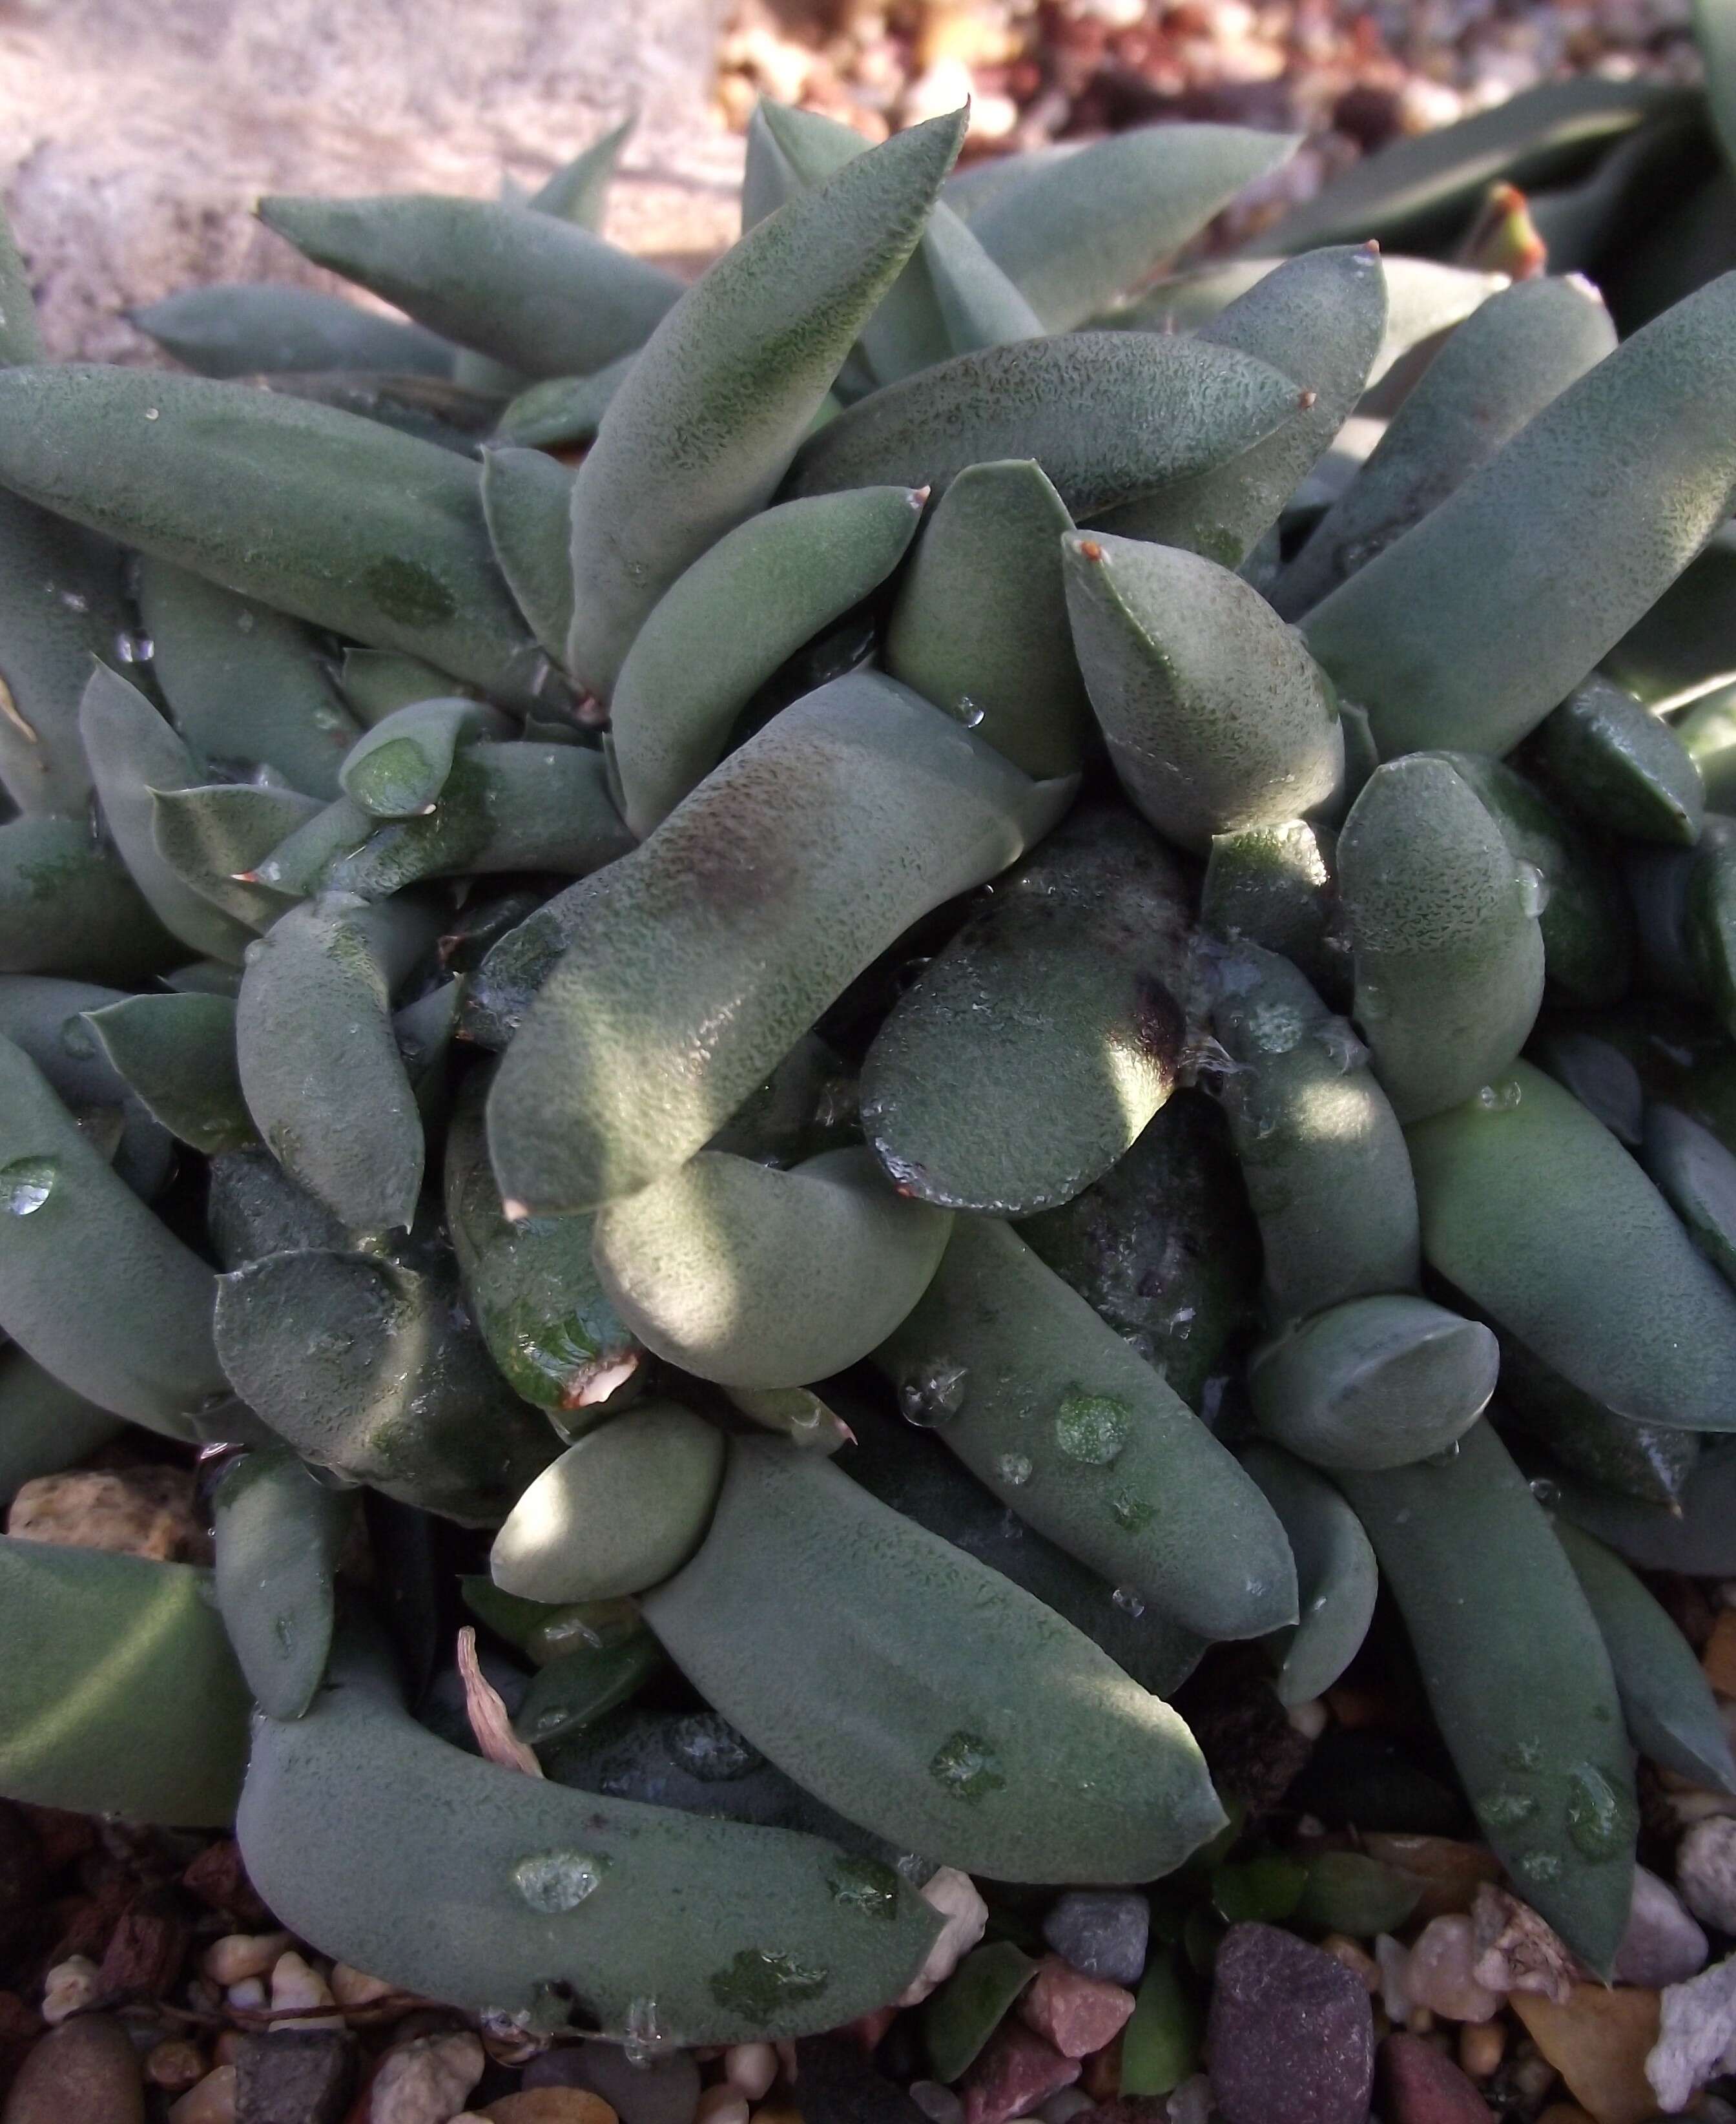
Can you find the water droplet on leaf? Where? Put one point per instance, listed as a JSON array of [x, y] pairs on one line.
[[553, 1881], [26, 1183], [1093, 1428], [1014, 1468], [966, 1766]]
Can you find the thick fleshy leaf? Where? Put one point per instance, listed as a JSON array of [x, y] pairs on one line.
[[1376, 1383], [1046, 1404], [68, 906], [398, 770], [44, 1016], [1165, 1248], [314, 1042], [253, 328], [60, 605], [1276, 887], [145, 1350], [528, 288], [1583, 1434], [722, 628], [177, 1055], [1547, 1225], [1322, 1153], [1697, 1177], [577, 191], [564, 1891], [1085, 229], [376, 681], [1081, 1776], [754, 1277], [1685, 645], [370, 1368], [906, 1466], [133, 752], [704, 425], [245, 684], [528, 499], [19, 338], [561, 412], [1321, 318], [1587, 928], [979, 626], [1622, 768], [1697, 1534], [1444, 934], [694, 964], [121, 1694], [621, 1510], [277, 1533], [549, 1325], [1420, 192], [317, 513], [1501, 366], [1216, 716], [45, 1426], [1466, 631], [1518, 1678], [213, 836], [1336, 1576], [1110, 416], [1666, 1699], [1031, 1053]]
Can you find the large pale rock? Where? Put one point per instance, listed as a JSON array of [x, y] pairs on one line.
[[134, 137]]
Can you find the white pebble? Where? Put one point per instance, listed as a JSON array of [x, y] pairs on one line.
[[427, 2081], [750, 2069], [955, 1896], [1706, 1871], [248, 1995], [295, 1985], [1393, 1958], [70, 1987], [1438, 1974], [938, 2104], [1191, 2104], [241, 1954], [355, 1987], [1696, 2031], [211, 2102], [1310, 1719]]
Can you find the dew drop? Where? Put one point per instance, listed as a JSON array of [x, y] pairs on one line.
[[1445, 1458], [77, 1039], [553, 1881], [1523, 1756], [970, 712], [1548, 1494], [1371, 1002], [1014, 1468], [1129, 1510], [246, 622], [1500, 1097], [1533, 889], [710, 1749], [966, 1766], [932, 1393], [644, 2035], [75, 601], [152, 413], [866, 1885], [26, 1183], [1128, 1601], [1343, 1049], [759, 1985], [1503, 1810], [1600, 1819], [1541, 1866], [1093, 1428]]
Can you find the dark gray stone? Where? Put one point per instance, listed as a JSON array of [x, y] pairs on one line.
[[1101, 1932], [1290, 2039], [835, 2085], [293, 2076], [666, 2091]]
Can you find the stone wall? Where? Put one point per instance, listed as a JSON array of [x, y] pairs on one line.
[[135, 134]]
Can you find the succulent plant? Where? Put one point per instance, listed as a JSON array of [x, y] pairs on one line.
[[867, 998]]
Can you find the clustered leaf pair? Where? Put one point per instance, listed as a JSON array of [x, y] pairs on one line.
[[548, 1004]]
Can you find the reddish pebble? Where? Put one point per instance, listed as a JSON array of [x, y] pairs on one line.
[[1016, 2071], [1290, 2035], [1418, 2086], [1078, 2015]]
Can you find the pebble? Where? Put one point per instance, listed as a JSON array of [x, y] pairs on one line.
[[1598, 2042], [296, 1986], [721, 2104], [68, 1988], [1290, 2037], [1100, 1932], [1662, 1945], [665, 2091], [426, 2081], [1191, 2104], [1696, 2034], [211, 2102], [1516, 1951], [250, 1996], [1014, 2072], [1062, 2107], [1392, 1960], [1439, 1972], [355, 1987], [939, 2105], [955, 1896], [549, 2105], [87, 2070], [1075, 2013], [1706, 1871], [146, 1511], [243, 1954], [1482, 2045], [1420, 2086], [835, 2085], [176, 2065], [293, 2076], [750, 2069]]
